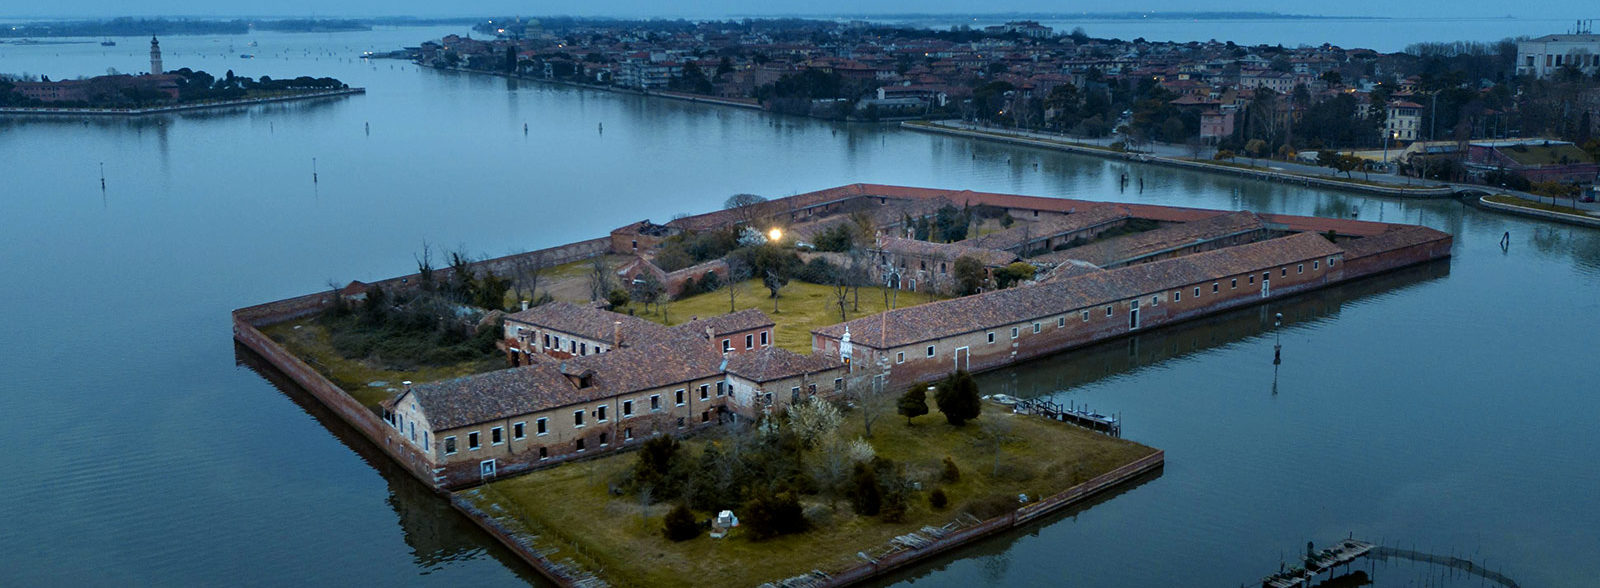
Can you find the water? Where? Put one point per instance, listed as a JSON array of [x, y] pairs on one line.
[[1445, 408], [1380, 34]]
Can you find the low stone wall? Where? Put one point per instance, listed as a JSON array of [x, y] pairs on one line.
[[1265, 175], [1560, 217], [1016, 518]]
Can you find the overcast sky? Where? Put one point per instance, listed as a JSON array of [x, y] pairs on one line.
[[1564, 9]]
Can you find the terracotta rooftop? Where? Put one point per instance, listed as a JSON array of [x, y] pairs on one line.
[[776, 363], [744, 320], [992, 310], [1398, 237], [1126, 248], [484, 397], [590, 323]]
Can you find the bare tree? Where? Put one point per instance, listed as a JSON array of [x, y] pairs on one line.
[[525, 273], [738, 272], [839, 278], [746, 207], [997, 432], [870, 403], [425, 266], [600, 280]]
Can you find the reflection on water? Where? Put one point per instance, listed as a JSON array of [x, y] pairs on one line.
[[435, 532]]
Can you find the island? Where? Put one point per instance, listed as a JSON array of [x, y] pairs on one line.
[[744, 396], [158, 91]]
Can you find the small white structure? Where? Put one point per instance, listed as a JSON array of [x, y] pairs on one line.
[[1542, 56], [724, 522]]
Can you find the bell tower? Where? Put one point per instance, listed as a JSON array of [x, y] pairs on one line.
[[155, 57]]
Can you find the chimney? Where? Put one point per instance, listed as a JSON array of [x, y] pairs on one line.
[[524, 305], [616, 335], [712, 338]]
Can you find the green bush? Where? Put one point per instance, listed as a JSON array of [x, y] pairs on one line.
[[951, 473], [679, 524], [866, 499], [771, 515], [957, 397], [937, 499]]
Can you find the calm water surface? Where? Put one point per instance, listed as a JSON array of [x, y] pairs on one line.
[[1450, 407]]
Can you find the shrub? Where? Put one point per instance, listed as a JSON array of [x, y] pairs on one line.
[[771, 515], [951, 473], [865, 497], [913, 403], [657, 458], [680, 525], [991, 506], [1224, 154], [937, 499], [957, 397]]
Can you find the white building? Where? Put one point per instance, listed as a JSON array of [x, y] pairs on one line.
[[1539, 57], [1405, 120]]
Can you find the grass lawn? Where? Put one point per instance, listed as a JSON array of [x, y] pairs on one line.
[[801, 308], [570, 509], [1525, 203], [309, 340]]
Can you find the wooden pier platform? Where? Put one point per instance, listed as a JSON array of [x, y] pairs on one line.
[[1080, 416], [1318, 562]]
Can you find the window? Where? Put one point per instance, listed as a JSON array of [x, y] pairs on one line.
[[627, 408], [680, 422], [544, 453], [1177, 295], [583, 349], [930, 351], [577, 418], [1014, 332], [1300, 269], [900, 357], [1252, 278], [1108, 310], [941, 268], [727, 345], [838, 384], [750, 341], [1285, 272], [1197, 292], [539, 427], [1316, 263], [991, 336], [627, 434], [1036, 327], [655, 402], [811, 389], [705, 416], [1234, 285], [600, 413], [603, 439], [547, 340], [1330, 262], [472, 441], [764, 335], [719, 389], [496, 436], [580, 444], [678, 396], [1215, 287], [705, 391], [449, 445], [1061, 321], [1267, 275], [794, 395], [519, 431], [1086, 316]]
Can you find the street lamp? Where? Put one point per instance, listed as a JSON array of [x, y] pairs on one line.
[[775, 235]]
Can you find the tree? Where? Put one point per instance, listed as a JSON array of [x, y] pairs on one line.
[[738, 272], [770, 515], [617, 298], [1015, 273], [866, 499], [679, 524], [969, 275], [600, 278], [1255, 147], [744, 206], [647, 290], [950, 474], [1347, 164], [913, 403], [957, 397], [814, 420]]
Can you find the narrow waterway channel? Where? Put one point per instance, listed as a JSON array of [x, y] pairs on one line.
[[1445, 408]]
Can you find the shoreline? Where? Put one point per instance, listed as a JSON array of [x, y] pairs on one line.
[[1536, 213], [1260, 175], [59, 112], [683, 96]]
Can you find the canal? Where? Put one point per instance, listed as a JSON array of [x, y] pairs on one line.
[[1448, 408]]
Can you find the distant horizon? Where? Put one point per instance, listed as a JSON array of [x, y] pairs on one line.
[[1154, 15]]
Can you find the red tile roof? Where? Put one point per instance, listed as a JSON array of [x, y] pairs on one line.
[[1127, 248], [776, 363]]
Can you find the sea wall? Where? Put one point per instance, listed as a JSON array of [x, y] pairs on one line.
[[1014, 519], [59, 112], [1572, 219], [1258, 174]]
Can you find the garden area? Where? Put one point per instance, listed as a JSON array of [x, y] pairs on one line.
[[811, 488]]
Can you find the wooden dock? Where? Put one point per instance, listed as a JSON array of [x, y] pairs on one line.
[[1077, 415], [1317, 563]]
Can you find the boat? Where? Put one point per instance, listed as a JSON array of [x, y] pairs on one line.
[[108, 43], [247, 56]]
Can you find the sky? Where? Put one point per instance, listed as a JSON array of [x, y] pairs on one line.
[[720, 8]]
